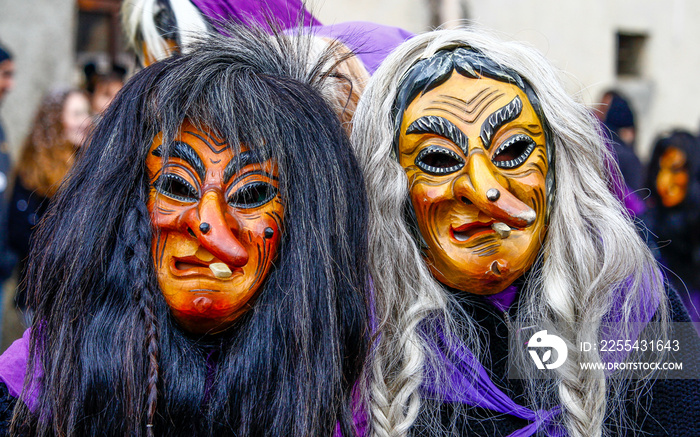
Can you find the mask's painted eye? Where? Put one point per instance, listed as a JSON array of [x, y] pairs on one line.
[[175, 187], [252, 195], [439, 160], [513, 152]]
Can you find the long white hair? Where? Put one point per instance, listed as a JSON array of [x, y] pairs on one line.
[[592, 261], [139, 21]]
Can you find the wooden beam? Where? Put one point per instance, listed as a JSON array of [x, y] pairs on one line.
[[108, 6]]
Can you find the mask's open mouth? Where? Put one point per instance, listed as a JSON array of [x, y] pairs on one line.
[[194, 266], [185, 265]]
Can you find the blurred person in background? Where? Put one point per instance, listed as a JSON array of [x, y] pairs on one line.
[[618, 118], [59, 129], [7, 258], [7, 80], [106, 90], [674, 212], [103, 87]]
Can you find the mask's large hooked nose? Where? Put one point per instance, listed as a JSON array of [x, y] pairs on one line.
[[480, 187], [214, 233]]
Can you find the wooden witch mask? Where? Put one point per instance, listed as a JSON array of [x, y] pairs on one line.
[[475, 153], [217, 214]]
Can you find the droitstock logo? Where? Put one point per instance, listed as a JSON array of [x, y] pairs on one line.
[[547, 342]]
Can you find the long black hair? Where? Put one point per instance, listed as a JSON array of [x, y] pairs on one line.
[[113, 360]]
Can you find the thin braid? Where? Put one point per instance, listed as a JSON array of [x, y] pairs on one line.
[[153, 370], [140, 266], [400, 353], [379, 401], [584, 399]]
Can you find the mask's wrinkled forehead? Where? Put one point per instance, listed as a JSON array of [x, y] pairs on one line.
[[228, 112], [431, 72], [179, 149]]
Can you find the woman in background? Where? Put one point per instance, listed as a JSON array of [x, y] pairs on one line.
[[60, 128]]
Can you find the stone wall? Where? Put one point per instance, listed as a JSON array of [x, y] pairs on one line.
[[41, 35]]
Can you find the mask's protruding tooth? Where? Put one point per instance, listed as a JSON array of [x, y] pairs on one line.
[[502, 229], [220, 270]]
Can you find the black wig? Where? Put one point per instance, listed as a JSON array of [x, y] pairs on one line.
[[113, 360]]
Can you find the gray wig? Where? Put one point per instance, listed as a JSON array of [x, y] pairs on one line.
[[592, 261]]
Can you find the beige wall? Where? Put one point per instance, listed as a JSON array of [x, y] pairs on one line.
[[412, 15], [40, 33], [579, 37]]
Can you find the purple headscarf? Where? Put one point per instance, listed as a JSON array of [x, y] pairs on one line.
[[371, 42], [285, 13], [466, 381]]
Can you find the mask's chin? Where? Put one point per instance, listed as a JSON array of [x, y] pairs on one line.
[[205, 325]]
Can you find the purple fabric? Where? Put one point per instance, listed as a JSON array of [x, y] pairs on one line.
[[13, 364], [633, 203], [503, 300], [13, 368], [286, 13], [467, 382], [371, 42]]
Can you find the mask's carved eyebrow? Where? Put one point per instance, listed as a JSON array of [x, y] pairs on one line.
[[241, 160], [502, 116], [431, 124], [217, 147], [184, 151]]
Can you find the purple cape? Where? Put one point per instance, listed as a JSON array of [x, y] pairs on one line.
[[13, 369]]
